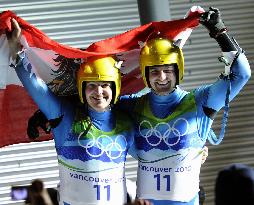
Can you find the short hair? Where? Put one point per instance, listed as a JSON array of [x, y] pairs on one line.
[[37, 186], [235, 185]]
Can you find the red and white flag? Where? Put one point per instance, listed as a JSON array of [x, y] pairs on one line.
[[56, 64]]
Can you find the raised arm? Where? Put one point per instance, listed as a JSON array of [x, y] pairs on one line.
[[237, 69], [38, 90]]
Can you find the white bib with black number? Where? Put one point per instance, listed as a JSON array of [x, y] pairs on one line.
[[174, 178]]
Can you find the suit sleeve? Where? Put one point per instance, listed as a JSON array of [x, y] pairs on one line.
[[48, 103], [240, 74]]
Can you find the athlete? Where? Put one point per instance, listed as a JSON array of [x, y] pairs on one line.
[[173, 124], [91, 139]]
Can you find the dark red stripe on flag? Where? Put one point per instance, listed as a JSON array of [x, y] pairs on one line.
[[16, 106]]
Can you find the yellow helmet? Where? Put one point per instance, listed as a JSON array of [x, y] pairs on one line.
[[161, 51], [99, 69]]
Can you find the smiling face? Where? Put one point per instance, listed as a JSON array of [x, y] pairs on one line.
[[162, 79], [98, 95]]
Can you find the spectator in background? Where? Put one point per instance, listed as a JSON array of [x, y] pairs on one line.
[[235, 185], [39, 195]]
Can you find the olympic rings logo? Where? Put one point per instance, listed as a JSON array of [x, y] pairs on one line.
[[157, 131], [105, 144]]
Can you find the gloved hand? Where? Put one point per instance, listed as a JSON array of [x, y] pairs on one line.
[[40, 120], [204, 154], [213, 22], [37, 120]]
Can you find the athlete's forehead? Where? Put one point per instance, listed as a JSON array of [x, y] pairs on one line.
[[162, 67], [98, 83]]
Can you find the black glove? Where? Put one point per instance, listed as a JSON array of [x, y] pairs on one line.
[[37, 120], [213, 22]]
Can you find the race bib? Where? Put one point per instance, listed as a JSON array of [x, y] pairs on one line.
[[101, 188], [175, 178]]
